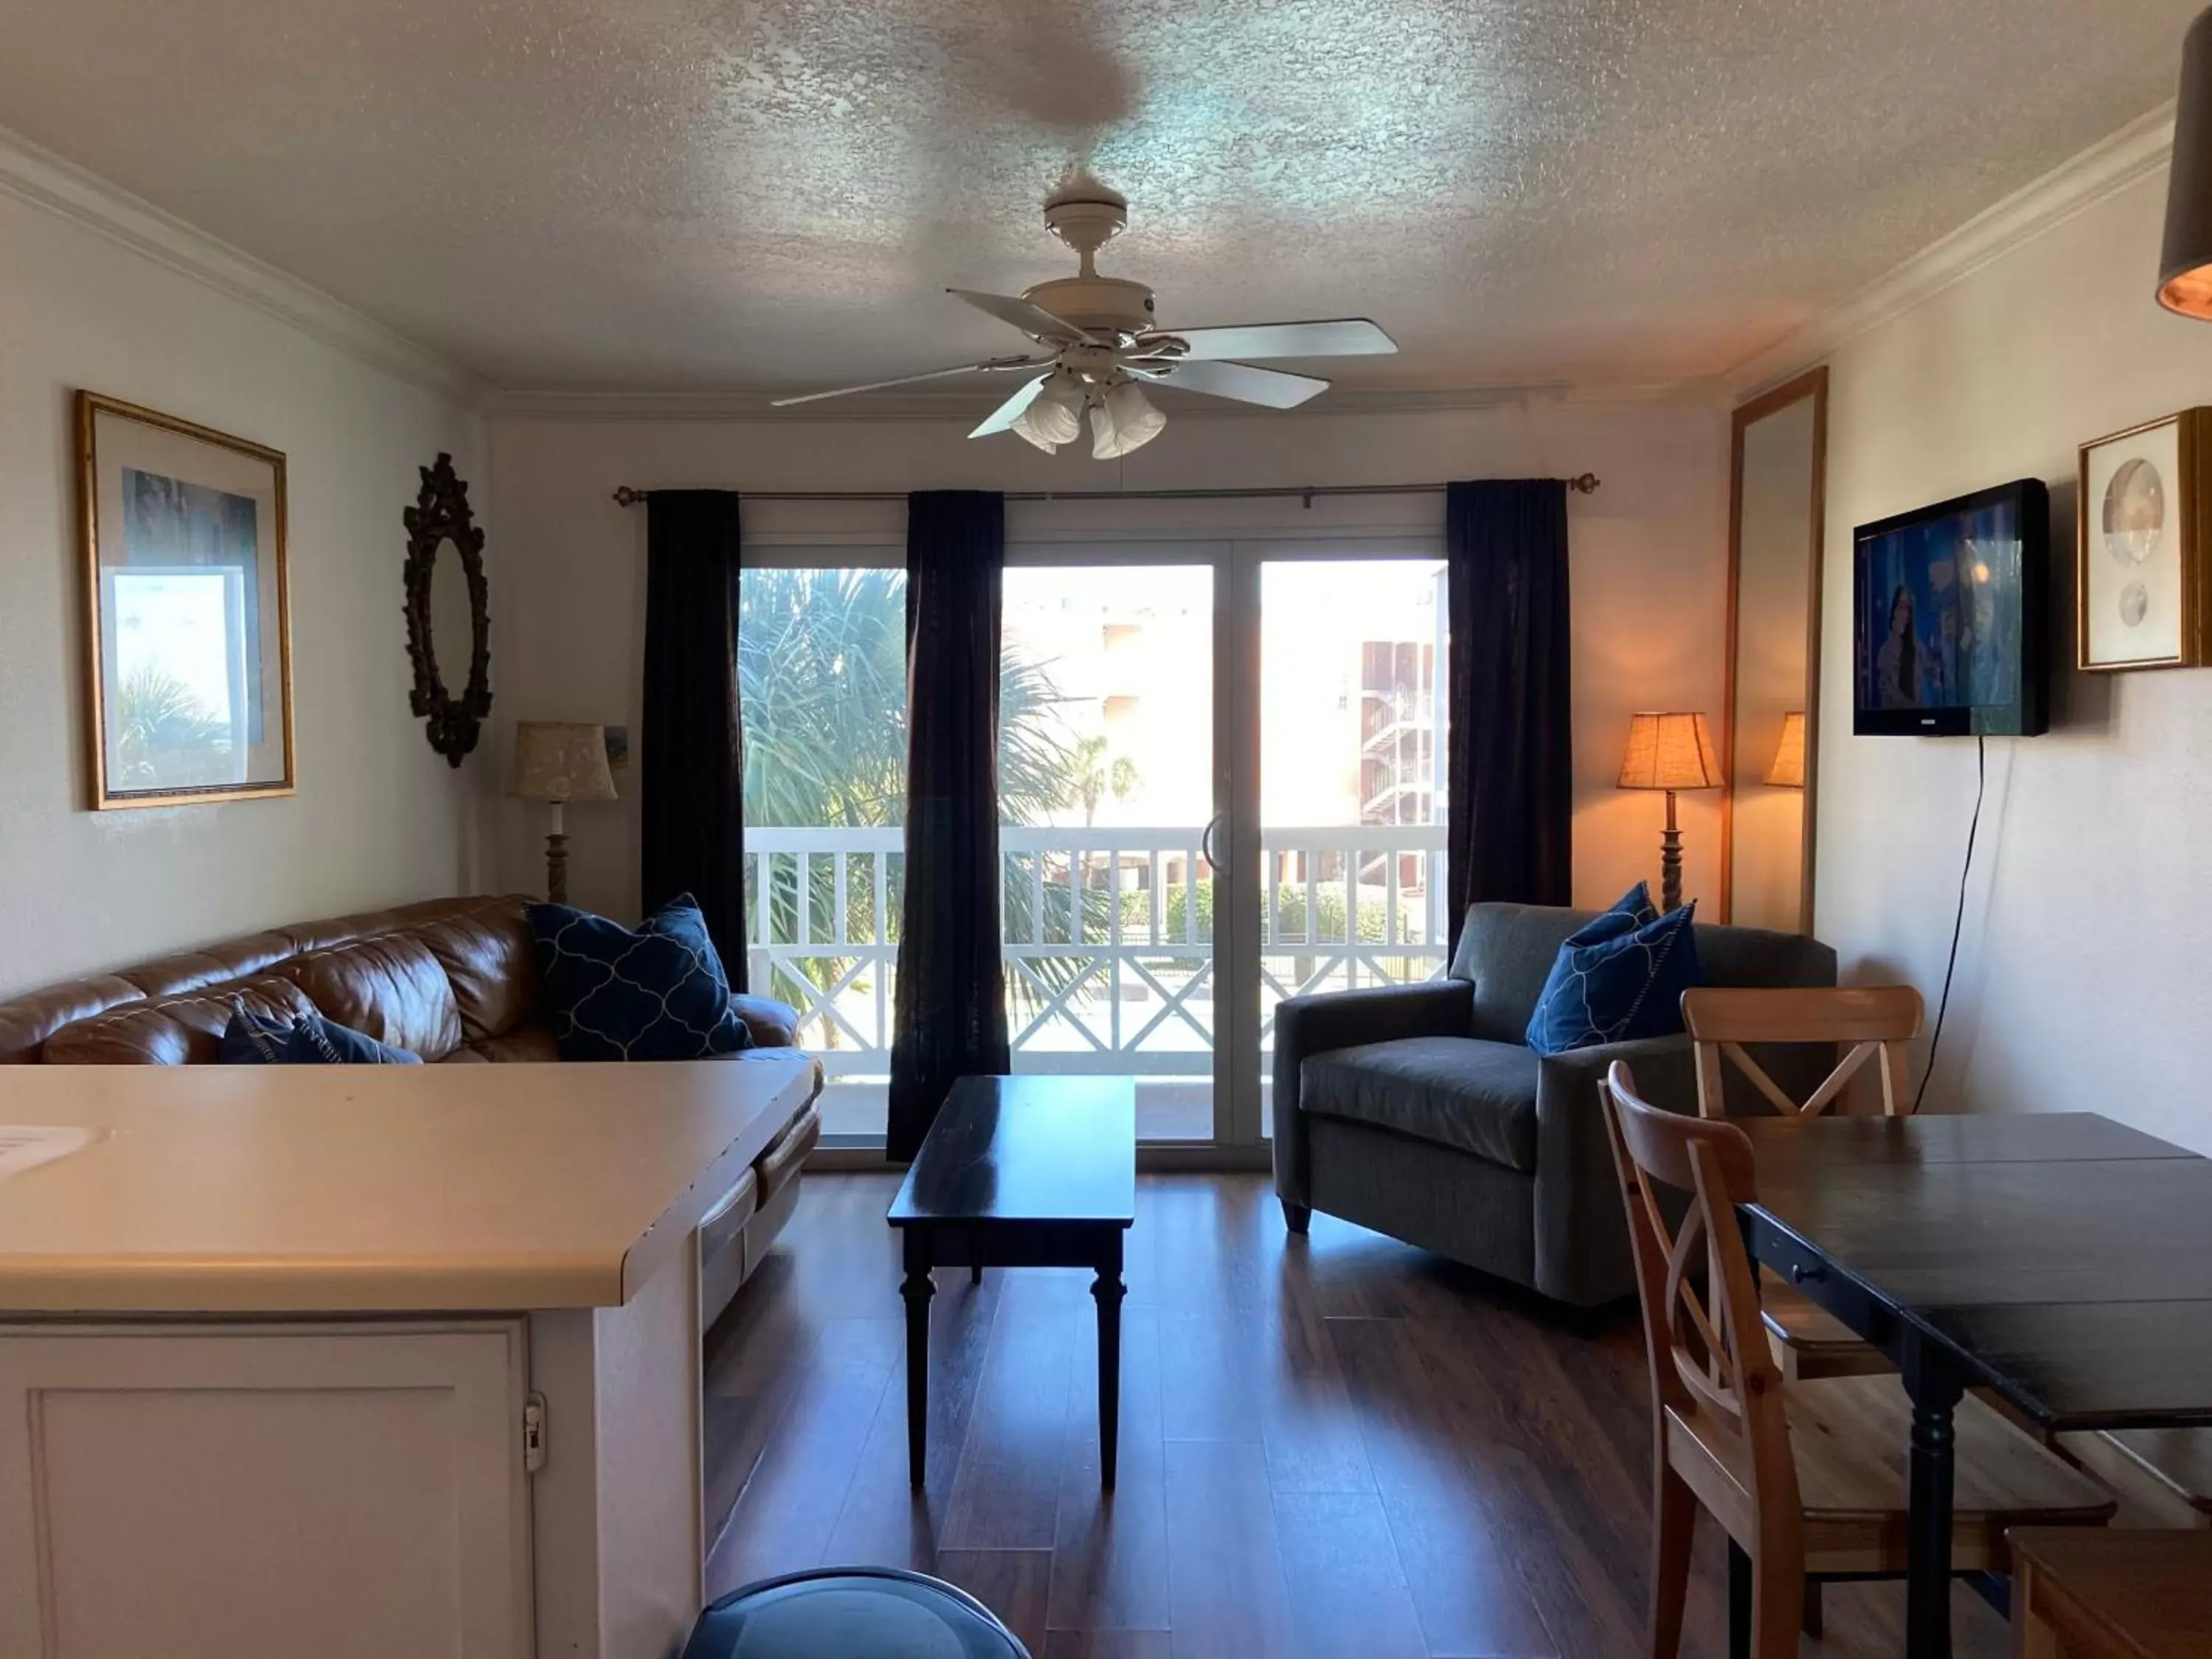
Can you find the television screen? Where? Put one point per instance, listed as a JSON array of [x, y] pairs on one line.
[[1948, 615]]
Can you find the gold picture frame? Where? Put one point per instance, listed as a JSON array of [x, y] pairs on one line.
[[188, 623], [2143, 531]]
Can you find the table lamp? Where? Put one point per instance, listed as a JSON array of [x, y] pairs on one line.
[[557, 762], [1788, 771], [1670, 752]]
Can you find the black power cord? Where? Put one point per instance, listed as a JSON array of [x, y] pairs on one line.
[[1958, 920]]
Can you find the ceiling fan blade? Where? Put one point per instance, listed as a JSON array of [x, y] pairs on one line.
[[988, 366], [1345, 336], [1033, 320], [1247, 385], [1010, 410]]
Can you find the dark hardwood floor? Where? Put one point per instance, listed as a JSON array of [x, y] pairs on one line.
[[1333, 1448]]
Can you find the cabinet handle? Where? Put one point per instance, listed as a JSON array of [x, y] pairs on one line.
[[1806, 1273]]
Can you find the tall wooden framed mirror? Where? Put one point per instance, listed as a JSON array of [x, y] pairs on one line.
[[1777, 499]]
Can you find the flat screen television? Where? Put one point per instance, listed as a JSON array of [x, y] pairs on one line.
[[1949, 617]]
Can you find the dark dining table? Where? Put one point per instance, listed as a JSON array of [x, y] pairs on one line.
[[2063, 1259]]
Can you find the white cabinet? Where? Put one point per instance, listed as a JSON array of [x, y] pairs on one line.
[[218, 1490]]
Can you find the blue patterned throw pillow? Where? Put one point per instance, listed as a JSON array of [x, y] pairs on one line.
[[1618, 979], [253, 1039], [657, 994]]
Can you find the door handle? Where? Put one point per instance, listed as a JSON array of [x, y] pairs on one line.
[[1213, 827]]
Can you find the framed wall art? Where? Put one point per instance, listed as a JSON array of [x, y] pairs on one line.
[[2141, 580], [188, 657]]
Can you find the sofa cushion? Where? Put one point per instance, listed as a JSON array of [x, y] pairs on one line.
[[1616, 982], [533, 1040], [172, 1030], [1506, 952], [1462, 1092], [389, 987], [492, 965], [655, 993]]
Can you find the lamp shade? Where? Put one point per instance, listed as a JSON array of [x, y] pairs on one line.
[[2185, 274], [1054, 415], [1787, 770], [1123, 420], [560, 761], [1669, 751]]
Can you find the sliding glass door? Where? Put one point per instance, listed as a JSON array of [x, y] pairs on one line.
[[1351, 710], [1107, 788], [1251, 739], [1222, 784]]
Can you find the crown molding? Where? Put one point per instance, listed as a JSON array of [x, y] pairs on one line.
[[592, 406], [2134, 153], [43, 179]]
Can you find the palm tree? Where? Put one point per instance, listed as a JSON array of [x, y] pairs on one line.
[[1091, 776], [164, 734], [822, 679]]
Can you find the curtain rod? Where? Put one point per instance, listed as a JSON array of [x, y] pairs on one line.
[[1584, 485]]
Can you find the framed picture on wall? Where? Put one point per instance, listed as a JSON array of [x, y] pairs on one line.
[[2141, 581], [188, 653]]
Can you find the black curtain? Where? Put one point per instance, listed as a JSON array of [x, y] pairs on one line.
[[1511, 760], [691, 767], [950, 1015]]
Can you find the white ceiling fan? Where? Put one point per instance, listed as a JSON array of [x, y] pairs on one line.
[[1102, 346]]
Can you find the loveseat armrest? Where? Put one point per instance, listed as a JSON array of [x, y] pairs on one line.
[[774, 1025], [1582, 1229], [1305, 1026]]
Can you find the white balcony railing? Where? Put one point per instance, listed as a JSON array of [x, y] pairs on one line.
[[1109, 945]]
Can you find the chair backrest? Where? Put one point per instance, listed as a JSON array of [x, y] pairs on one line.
[[1506, 952], [1706, 1344], [1876, 1021]]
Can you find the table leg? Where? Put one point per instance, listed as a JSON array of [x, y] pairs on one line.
[[1936, 1390], [917, 1290], [1109, 1290]]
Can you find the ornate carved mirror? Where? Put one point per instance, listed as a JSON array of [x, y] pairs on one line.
[[448, 616]]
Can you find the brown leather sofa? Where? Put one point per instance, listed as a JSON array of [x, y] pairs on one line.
[[452, 979]]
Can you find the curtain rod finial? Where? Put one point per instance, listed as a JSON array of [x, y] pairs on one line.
[[625, 496], [1584, 485]]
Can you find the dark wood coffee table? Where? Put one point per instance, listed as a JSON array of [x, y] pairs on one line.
[[1021, 1172]]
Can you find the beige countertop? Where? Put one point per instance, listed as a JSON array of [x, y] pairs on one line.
[[386, 1188]]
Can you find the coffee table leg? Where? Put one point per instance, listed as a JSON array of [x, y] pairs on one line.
[[917, 1290], [1109, 1290], [1936, 1391]]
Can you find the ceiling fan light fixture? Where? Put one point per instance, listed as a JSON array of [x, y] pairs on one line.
[[1054, 415], [1123, 420]]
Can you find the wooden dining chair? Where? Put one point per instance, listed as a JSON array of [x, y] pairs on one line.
[[1806, 1479], [2125, 1594], [1876, 1022]]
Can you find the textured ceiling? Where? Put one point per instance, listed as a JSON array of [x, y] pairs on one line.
[[680, 194]]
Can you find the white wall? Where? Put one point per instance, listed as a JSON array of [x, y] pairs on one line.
[[378, 818], [2080, 982], [1648, 553]]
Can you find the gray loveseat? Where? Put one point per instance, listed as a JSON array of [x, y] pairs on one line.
[[1420, 1111]]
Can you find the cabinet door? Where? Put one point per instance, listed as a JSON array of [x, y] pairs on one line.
[[210, 1492]]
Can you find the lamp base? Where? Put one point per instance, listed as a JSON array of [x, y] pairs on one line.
[[556, 867], [1670, 862]]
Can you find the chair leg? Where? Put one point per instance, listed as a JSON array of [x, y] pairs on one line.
[[1674, 1519], [1296, 1217], [1740, 1602], [1811, 1620], [1777, 1606]]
